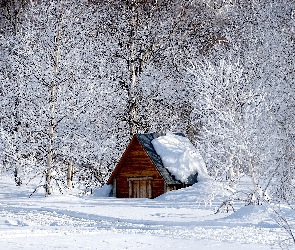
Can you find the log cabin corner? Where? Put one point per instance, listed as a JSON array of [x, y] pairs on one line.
[[140, 172]]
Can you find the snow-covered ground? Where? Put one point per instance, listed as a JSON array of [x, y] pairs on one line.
[[182, 219]]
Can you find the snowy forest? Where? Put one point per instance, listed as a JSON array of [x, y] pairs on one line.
[[79, 78]]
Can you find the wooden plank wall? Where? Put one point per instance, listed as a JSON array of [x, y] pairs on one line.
[[137, 164]]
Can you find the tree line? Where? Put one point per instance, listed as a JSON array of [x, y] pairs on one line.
[[79, 78]]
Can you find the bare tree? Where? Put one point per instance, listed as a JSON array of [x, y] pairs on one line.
[[154, 34], [10, 13]]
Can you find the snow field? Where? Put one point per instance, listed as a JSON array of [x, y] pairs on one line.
[[73, 222]]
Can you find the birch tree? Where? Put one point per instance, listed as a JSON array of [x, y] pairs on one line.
[[61, 110], [11, 14], [245, 112], [150, 37]]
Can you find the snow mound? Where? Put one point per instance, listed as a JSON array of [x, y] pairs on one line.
[[104, 191], [180, 157], [267, 215], [251, 214], [208, 193]]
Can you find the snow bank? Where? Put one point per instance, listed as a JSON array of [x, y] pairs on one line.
[[268, 215], [104, 191], [208, 193], [180, 157], [252, 213]]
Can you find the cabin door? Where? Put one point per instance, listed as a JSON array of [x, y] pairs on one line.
[[140, 187]]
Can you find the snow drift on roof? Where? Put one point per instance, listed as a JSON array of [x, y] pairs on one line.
[[180, 157]]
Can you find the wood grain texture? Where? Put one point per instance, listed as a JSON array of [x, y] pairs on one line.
[[136, 175]]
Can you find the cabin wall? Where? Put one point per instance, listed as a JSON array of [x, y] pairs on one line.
[[137, 164]]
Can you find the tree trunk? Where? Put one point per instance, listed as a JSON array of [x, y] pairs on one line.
[[133, 123], [231, 173], [14, 12], [17, 178], [258, 192], [70, 174], [51, 139], [52, 123], [17, 129], [48, 175]]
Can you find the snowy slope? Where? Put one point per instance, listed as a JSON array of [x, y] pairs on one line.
[[172, 221]]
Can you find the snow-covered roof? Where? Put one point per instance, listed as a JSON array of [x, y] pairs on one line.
[[176, 159], [146, 141], [180, 157]]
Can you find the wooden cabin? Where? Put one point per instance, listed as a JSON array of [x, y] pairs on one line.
[[140, 172]]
